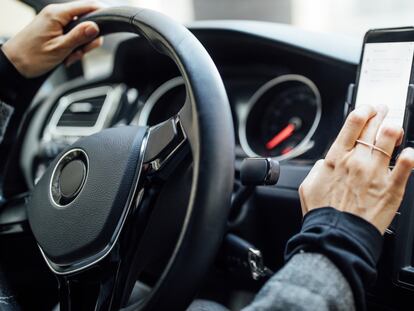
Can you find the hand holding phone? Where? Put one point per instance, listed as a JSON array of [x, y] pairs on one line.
[[385, 72]]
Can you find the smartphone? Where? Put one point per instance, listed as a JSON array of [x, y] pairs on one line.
[[385, 72]]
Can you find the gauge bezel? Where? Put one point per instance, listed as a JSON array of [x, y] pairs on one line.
[[141, 119], [302, 146]]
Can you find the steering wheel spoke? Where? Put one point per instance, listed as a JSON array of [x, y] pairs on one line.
[[147, 238], [171, 142], [186, 117], [167, 147], [95, 289]]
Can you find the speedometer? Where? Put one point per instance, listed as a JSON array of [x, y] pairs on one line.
[[165, 102], [281, 118]]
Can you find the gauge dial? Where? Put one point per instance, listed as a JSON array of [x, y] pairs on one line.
[[282, 117], [165, 102]]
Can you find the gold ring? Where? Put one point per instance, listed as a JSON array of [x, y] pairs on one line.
[[373, 147]]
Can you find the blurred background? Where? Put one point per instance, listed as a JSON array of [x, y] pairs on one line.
[[345, 17]]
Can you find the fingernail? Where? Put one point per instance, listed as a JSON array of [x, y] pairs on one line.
[[91, 31], [409, 150]]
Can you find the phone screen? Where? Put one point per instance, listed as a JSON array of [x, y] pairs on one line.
[[384, 77]]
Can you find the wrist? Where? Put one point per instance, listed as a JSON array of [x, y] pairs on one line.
[[15, 58]]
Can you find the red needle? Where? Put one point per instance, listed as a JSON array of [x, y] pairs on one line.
[[281, 136]]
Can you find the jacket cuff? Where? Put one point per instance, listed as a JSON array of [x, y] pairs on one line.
[[350, 242], [354, 227]]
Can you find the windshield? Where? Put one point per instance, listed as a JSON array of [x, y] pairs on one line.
[[345, 17]]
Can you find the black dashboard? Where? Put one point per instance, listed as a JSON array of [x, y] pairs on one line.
[[287, 89]]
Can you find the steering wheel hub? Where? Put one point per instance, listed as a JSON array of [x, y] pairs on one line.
[[90, 187], [68, 177], [71, 179]]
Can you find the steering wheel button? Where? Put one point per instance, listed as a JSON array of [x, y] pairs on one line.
[[72, 178]]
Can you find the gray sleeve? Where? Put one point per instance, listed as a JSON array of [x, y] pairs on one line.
[[309, 281], [8, 298], [6, 112]]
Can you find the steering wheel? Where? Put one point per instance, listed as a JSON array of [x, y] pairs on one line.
[[113, 203]]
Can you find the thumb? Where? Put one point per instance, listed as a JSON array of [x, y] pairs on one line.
[[80, 35]]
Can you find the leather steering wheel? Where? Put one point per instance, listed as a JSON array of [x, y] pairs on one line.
[[113, 203]]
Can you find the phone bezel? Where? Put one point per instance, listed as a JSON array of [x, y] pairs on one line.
[[401, 34]]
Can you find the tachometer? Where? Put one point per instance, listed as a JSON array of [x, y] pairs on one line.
[[281, 118]]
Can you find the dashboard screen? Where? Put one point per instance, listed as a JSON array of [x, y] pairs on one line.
[[384, 77]]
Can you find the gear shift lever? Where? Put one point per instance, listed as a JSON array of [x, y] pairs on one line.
[[253, 172], [259, 172], [240, 256]]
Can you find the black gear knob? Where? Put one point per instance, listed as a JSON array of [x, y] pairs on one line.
[[259, 171]]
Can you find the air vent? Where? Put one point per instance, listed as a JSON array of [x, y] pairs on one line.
[[83, 113]]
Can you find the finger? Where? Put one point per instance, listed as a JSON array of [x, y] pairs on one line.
[[387, 140], [352, 129], [79, 54], [369, 133], [92, 45], [66, 12], [400, 140], [80, 35], [73, 58], [402, 170]]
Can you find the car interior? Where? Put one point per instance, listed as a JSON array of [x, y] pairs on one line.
[[225, 118]]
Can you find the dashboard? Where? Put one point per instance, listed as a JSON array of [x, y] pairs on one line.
[[287, 91]]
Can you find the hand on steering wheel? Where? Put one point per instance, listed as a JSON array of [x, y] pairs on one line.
[[42, 45], [355, 175]]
